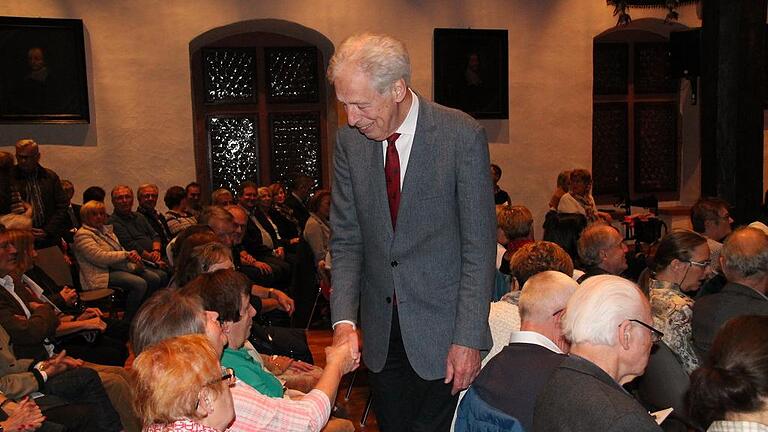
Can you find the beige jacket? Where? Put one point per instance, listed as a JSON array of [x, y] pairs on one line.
[[96, 253], [15, 379]]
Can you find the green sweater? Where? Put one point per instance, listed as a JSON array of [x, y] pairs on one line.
[[252, 372]]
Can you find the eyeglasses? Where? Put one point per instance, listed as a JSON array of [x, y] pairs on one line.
[[655, 334], [701, 264], [227, 378]]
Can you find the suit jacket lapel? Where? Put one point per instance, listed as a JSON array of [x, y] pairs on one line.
[[375, 160], [421, 156]]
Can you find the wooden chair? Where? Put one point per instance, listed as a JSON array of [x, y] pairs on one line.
[[52, 261]]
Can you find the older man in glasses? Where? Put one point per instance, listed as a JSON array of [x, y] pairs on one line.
[[608, 321]]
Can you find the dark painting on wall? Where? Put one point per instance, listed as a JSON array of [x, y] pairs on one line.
[[43, 77], [470, 71]]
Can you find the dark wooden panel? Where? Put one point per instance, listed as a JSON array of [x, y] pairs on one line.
[[609, 149], [652, 69], [656, 147], [611, 68]]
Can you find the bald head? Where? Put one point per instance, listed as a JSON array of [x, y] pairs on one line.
[[744, 257], [545, 294], [27, 155]]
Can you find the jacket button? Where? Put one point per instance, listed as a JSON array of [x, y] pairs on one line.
[[389, 299], [393, 263]]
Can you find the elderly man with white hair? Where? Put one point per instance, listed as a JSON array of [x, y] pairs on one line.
[[512, 380], [607, 322]]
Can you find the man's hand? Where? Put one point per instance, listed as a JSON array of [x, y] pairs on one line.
[[344, 333], [280, 252], [284, 302], [38, 233], [343, 352], [462, 367], [59, 363], [94, 324], [69, 295], [35, 306]]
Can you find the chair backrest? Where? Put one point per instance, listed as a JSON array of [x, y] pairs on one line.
[[51, 260]]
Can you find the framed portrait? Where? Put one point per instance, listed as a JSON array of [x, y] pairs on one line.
[[43, 78], [471, 70]]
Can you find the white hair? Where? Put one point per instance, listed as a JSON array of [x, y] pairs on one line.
[[544, 294], [598, 307], [383, 58]]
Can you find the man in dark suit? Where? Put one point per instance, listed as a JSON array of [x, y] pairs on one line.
[[413, 237], [608, 321], [297, 199], [512, 380], [744, 261]]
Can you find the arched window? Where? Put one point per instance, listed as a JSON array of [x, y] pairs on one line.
[[636, 117], [260, 104]]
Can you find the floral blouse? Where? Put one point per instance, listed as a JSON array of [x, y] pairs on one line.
[[672, 313]]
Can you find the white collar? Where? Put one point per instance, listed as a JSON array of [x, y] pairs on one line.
[[408, 127], [7, 282], [530, 337]]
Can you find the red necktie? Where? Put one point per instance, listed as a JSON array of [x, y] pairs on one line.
[[392, 176]]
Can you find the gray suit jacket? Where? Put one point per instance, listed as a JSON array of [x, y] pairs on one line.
[[440, 260], [581, 397]]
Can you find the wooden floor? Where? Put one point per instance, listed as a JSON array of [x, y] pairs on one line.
[[318, 340]]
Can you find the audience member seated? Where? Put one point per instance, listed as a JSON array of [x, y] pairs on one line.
[[73, 212], [258, 242], [530, 260], [259, 272], [729, 391], [41, 188], [601, 251], [514, 230], [177, 216], [579, 199], [563, 184], [565, 230], [297, 200], [680, 265], [227, 293], [744, 262], [84, 334], [500, 196], [168, 314], [710, 217], [281, 214], [607, 320], [512, 380], [72, 395], [135, 233], [317, 232], [262, 213], [174, 247], [147, 194], [180, 387], [222, 197], [194, 195], [105, 263]]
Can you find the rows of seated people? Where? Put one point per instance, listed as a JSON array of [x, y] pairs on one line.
[[178, 273], [572, 330]]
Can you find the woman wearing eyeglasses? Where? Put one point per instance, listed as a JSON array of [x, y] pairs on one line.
[[181, 387], [680, 265]]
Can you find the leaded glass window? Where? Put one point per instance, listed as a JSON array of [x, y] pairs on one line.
[[292, 74], [295, 145], [230, 75], [234, 155]]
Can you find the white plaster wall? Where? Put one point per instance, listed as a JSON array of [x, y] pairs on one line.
[[141, 128]]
